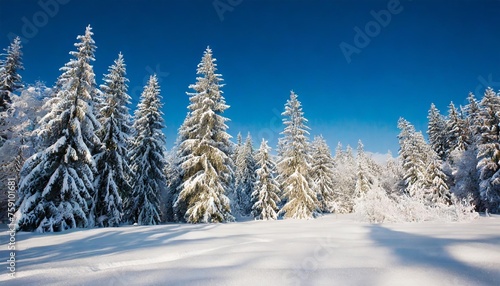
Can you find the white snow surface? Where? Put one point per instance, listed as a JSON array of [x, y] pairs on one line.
[[330, 250]]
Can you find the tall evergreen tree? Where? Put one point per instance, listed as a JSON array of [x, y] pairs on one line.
[[323, 173], [10, 80], [294, 167], [205, 150], [436, 131], [438, 190], [422, 168], [345, 179], [391, 175], [147, 157], [363, 180], [245, 176], [456, 131], [266, 189], [232, 194], [414, 153], [238, 146], [473, 119], [56, 188], [113, 170], [19, 130], [465, 174], [489, 151]]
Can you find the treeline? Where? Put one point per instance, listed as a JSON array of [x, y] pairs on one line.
[[82, 161]]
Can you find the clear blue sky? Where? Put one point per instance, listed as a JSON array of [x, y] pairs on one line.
[[429, 51]]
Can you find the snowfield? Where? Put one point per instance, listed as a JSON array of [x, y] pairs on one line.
[[331, 250]]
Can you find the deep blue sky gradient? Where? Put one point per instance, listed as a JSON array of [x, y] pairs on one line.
[[432, 51]]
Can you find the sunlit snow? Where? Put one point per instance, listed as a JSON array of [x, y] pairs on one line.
[[330, 250]]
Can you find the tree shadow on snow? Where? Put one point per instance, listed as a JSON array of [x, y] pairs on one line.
[[106, 241], [431, 252]]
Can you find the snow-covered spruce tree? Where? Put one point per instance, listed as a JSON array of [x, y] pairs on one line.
[[147, 158], [323, 174], [294, 167], [363, 178], [113, 171], [466, 177], [422, 169], [436, 131], [237, 146], [414, 153], [473, 121], [456, 131], [489, 151], [24, 114], [245, 176], [205, 150], [10, 80], [438, 191], [266, 189], [345, 179], [232, 192], [55, 192], [391, 175], [465, 174]]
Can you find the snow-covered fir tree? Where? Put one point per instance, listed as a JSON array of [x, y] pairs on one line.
[[436, 131], [113, 171], [266, 189], [323, 174], [23, 116], [205, 150], [473, 121], [414, 152], [438, 190], [456, 131], [237, 146], [363, 178], [244, 176], [466, 176], [464, 167], [147, 158], [345, 179], [55, 192], [10, 79], [423, 175], [489, 151], [294, 167], [391, 175]]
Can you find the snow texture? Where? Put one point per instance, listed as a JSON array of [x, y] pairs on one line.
[[331, 250]]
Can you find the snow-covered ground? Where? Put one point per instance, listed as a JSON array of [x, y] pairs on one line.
[[331, 250]]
